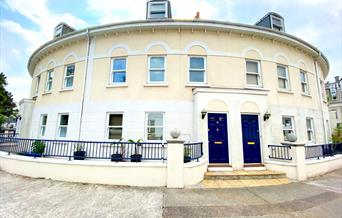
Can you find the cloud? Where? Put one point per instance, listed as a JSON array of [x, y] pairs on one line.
[[308, 34]]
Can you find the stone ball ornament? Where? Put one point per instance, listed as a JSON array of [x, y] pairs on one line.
[[291, 137], [175, 133]]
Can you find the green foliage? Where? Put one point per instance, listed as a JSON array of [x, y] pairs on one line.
[[38, 147], [187, 152], [7, 106], [79, 147], [336, 137]]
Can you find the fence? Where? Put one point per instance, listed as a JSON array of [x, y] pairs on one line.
[[193, 151], [79, 150], [322, 151], [280, 152]]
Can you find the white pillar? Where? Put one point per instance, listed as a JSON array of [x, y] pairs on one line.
[[175, 168], [299, 158]]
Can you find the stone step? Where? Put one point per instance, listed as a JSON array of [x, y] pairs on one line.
[[244, 175], [241, 183]]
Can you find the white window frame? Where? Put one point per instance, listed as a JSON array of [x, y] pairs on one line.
[[41, 125], [36, 90], [59, 126], [205, 69], [48, 80], [59, 31], [65, 76], [324, 97], [281, 27], [112, 71], [293, 129], [287, 78], [304, 83], [156, 3], [147, 126], [157, 69], [258, 74], [312, 130], [107, 125]]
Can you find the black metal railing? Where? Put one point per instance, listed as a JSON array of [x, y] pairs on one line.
[[9, 135], [280, 152], [193, 151], [322, 151], [92, 149]]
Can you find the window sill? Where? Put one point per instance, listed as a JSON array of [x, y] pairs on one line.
[[117, 85], [197, 85], [306, 95], [47, 93], [285, 91], [156, 84], [256, 88], [66, 90]]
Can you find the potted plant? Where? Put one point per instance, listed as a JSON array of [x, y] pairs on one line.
[[79, 154], [119, 152], [187, 155], [38, 148], [137, 156]]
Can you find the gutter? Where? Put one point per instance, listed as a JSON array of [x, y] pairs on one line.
[[85, 84], [320, 98]]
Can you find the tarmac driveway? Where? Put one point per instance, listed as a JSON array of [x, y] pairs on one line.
[[26, 197]]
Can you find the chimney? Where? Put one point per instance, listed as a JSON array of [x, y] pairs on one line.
[[197, 15]]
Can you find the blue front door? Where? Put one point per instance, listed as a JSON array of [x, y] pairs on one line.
[[251, 139], [218, 138]]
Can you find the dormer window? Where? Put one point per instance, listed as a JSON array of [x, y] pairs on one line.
[[277, 24], [158, 10], [58, 31], [62, 29]]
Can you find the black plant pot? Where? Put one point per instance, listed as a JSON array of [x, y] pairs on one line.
[[187, 159], [136, 157], [116, 157], [79, 155]]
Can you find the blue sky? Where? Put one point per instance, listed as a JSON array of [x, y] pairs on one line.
[[25, 25]]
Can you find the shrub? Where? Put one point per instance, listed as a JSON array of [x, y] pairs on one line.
[[336, 137], [38, 147]]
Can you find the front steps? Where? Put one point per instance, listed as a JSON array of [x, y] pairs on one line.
[[243, 178], [244, 175]]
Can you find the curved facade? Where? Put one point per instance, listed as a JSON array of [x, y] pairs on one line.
[[142, 79]]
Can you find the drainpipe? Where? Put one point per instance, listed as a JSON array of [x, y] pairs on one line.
[[320, 97], [85, 84]]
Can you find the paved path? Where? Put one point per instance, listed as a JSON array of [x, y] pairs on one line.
[[26, 197]]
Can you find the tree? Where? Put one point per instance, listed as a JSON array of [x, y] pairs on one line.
[[337, 135], [7, 106]]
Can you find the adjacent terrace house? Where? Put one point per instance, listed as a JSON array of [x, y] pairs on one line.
[[239, 90]]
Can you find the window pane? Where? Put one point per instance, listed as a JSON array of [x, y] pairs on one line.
[[69, 82], [155, 133], [119, 77], [70, 70], [252, 66], [157, 14], [115, 133], [252, 79], [64, 120], [276, 21], [115, 120], [62, 131], [44, 120], [196, 76], [49, 86], [281, 71], [50, 75], [302, 77], [287, 123], [119, 64], [157, 62], [197, 63], [155, 119], [42, 130], [282, 83], [308, 124], [157, 7], [157, 75], [304, 87]]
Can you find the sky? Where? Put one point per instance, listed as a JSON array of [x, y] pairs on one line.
[[25, 25]]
